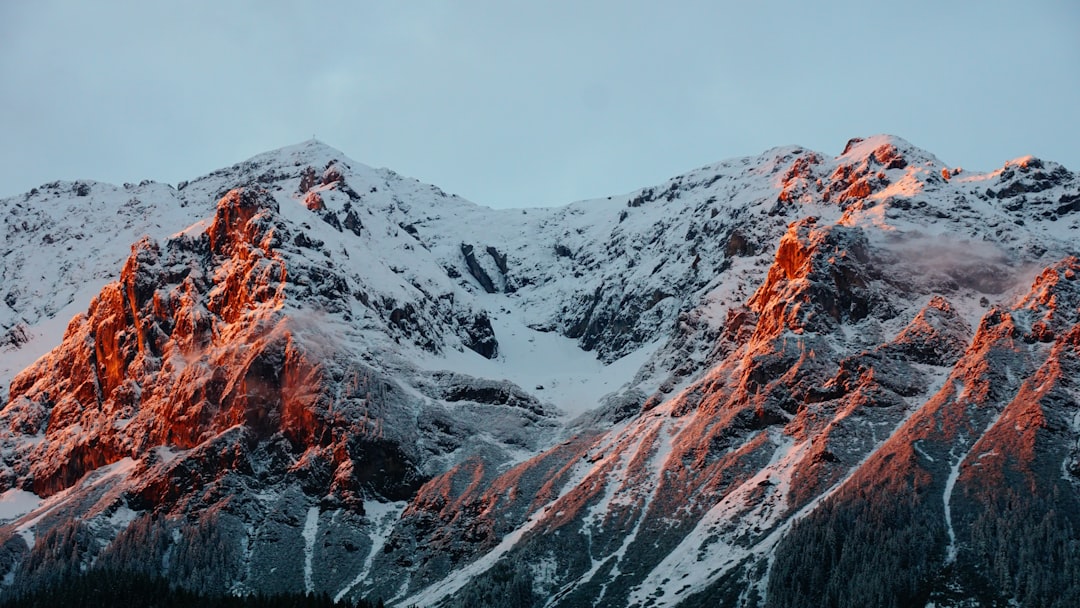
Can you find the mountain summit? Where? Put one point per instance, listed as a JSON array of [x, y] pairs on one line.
[[782, 380]]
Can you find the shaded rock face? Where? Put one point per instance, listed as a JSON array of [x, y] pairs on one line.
[[937, 335], [306, 391], [476, 270], [1030, 175]]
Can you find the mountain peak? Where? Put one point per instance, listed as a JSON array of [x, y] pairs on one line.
[[311, 151], [858, 148]]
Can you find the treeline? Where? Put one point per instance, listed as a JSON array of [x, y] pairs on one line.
[[1016, 547], [1025, 550], [205, 557], [508, 584], [880, 548], [99, 588]]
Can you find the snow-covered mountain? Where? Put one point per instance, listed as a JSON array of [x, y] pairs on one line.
[[779, 380]]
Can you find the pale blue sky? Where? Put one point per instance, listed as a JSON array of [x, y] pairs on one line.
[[520, 104]]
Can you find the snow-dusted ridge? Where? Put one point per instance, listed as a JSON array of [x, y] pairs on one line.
[[370, 388]]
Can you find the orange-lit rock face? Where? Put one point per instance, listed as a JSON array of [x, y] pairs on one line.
[[1032, 422], [190, 342], [1052, 300], [850, 183], [238, 224], [873, 384], [799, 182], [706, 447], [779, 377], [816, 276], [860, 189], [777, 295], [889, 157], [314, 202]]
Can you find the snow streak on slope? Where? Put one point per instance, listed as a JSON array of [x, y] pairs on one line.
[[383, 516], [311, 527], [681, 571]]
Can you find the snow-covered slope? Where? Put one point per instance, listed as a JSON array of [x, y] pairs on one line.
[[352, 382]]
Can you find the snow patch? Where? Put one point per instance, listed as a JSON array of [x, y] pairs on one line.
[[15, 503], [122, 517], [551, 367]]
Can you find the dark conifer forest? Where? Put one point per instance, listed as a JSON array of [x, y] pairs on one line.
[[101, 588]]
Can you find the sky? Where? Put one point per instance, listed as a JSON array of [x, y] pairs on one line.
[[513, 104]]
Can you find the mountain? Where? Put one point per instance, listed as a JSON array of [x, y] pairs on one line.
[[779, 380]]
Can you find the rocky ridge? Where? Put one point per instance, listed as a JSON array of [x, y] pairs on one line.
[[337, 381]]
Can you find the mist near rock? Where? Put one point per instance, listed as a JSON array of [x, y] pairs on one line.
[[947, 263]]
